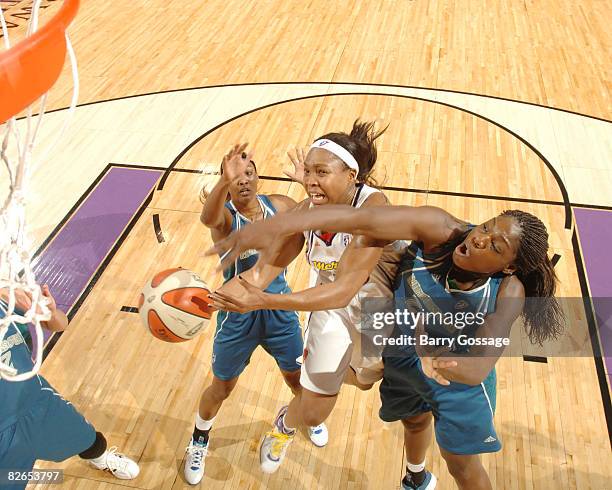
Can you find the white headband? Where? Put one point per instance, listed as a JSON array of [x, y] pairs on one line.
[[342, 153]]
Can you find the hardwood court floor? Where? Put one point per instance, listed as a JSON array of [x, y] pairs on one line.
[[142, 393], [551, 52]]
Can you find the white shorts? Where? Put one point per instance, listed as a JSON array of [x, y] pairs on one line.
[[333, 342]]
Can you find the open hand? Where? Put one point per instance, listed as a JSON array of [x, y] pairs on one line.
[[297, 158], [250, 299], [431, 365], [235, 162], [260, 235]]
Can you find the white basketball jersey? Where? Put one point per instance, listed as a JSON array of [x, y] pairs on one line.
[[324, 250]]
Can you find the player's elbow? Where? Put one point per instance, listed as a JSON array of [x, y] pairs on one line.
[[473, 380], [465, 374], [338, 299], [340, 302], [345, 292], [476, 376], [204, 219], [210, 221]]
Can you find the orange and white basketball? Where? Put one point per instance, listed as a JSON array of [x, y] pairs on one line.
[[174, 305]]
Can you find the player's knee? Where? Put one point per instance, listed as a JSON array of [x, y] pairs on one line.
[[312, 418], [293, 381], [221, 390], [460, 468], [312, 414], [417, 423], [363, 386]]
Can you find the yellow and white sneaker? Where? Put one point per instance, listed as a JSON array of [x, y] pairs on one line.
[[274, 445]]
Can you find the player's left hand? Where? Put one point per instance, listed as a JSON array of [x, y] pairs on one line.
[[261, 236], [251, 298], [235, 162], [431, 365], [297, 158]]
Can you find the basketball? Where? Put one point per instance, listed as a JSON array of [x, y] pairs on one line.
[[174, 305]]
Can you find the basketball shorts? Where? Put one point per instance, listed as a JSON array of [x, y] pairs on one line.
[[463, 414], [334, 341], [238, 335], [50, 429]]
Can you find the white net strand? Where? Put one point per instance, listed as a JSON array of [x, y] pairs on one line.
[[16, 274]]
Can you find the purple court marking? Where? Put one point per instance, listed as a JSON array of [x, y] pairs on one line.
[[595, 231], [73, 256]]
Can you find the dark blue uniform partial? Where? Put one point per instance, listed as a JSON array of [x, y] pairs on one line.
[[36, 422], [463, 413], [238, 334]]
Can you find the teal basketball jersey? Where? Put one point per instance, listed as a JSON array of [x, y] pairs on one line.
[[422, 286], [248, 258], [15, 353]]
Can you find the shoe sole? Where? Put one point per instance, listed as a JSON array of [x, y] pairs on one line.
[[318, 445]]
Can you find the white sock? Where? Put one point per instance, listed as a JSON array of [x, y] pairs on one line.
[[100, 460], [285, 428], [415, 468], [202, 424]]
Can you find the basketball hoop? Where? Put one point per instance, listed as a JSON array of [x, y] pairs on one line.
[[28, 70]]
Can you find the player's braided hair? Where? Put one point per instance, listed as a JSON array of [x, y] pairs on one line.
[[361, 144], [542, 314]]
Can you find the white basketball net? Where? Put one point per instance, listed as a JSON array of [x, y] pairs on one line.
[[16, 276]]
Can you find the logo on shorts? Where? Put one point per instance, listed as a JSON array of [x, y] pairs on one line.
[[490, 439]]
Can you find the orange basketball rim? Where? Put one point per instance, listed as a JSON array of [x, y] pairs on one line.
[[32, 66]]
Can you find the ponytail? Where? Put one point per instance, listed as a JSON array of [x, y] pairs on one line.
[[542, 314], [360, 143]]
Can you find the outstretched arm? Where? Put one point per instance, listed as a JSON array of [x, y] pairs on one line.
[[215, 215], [428, 224], [272, 261], [354, 268], [262, 273]]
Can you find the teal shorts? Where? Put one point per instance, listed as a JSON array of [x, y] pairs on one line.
[[463, 414]]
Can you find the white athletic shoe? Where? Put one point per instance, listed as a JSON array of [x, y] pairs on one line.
[[319, 435], [274, 446], [116, 463], [194, 461]]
